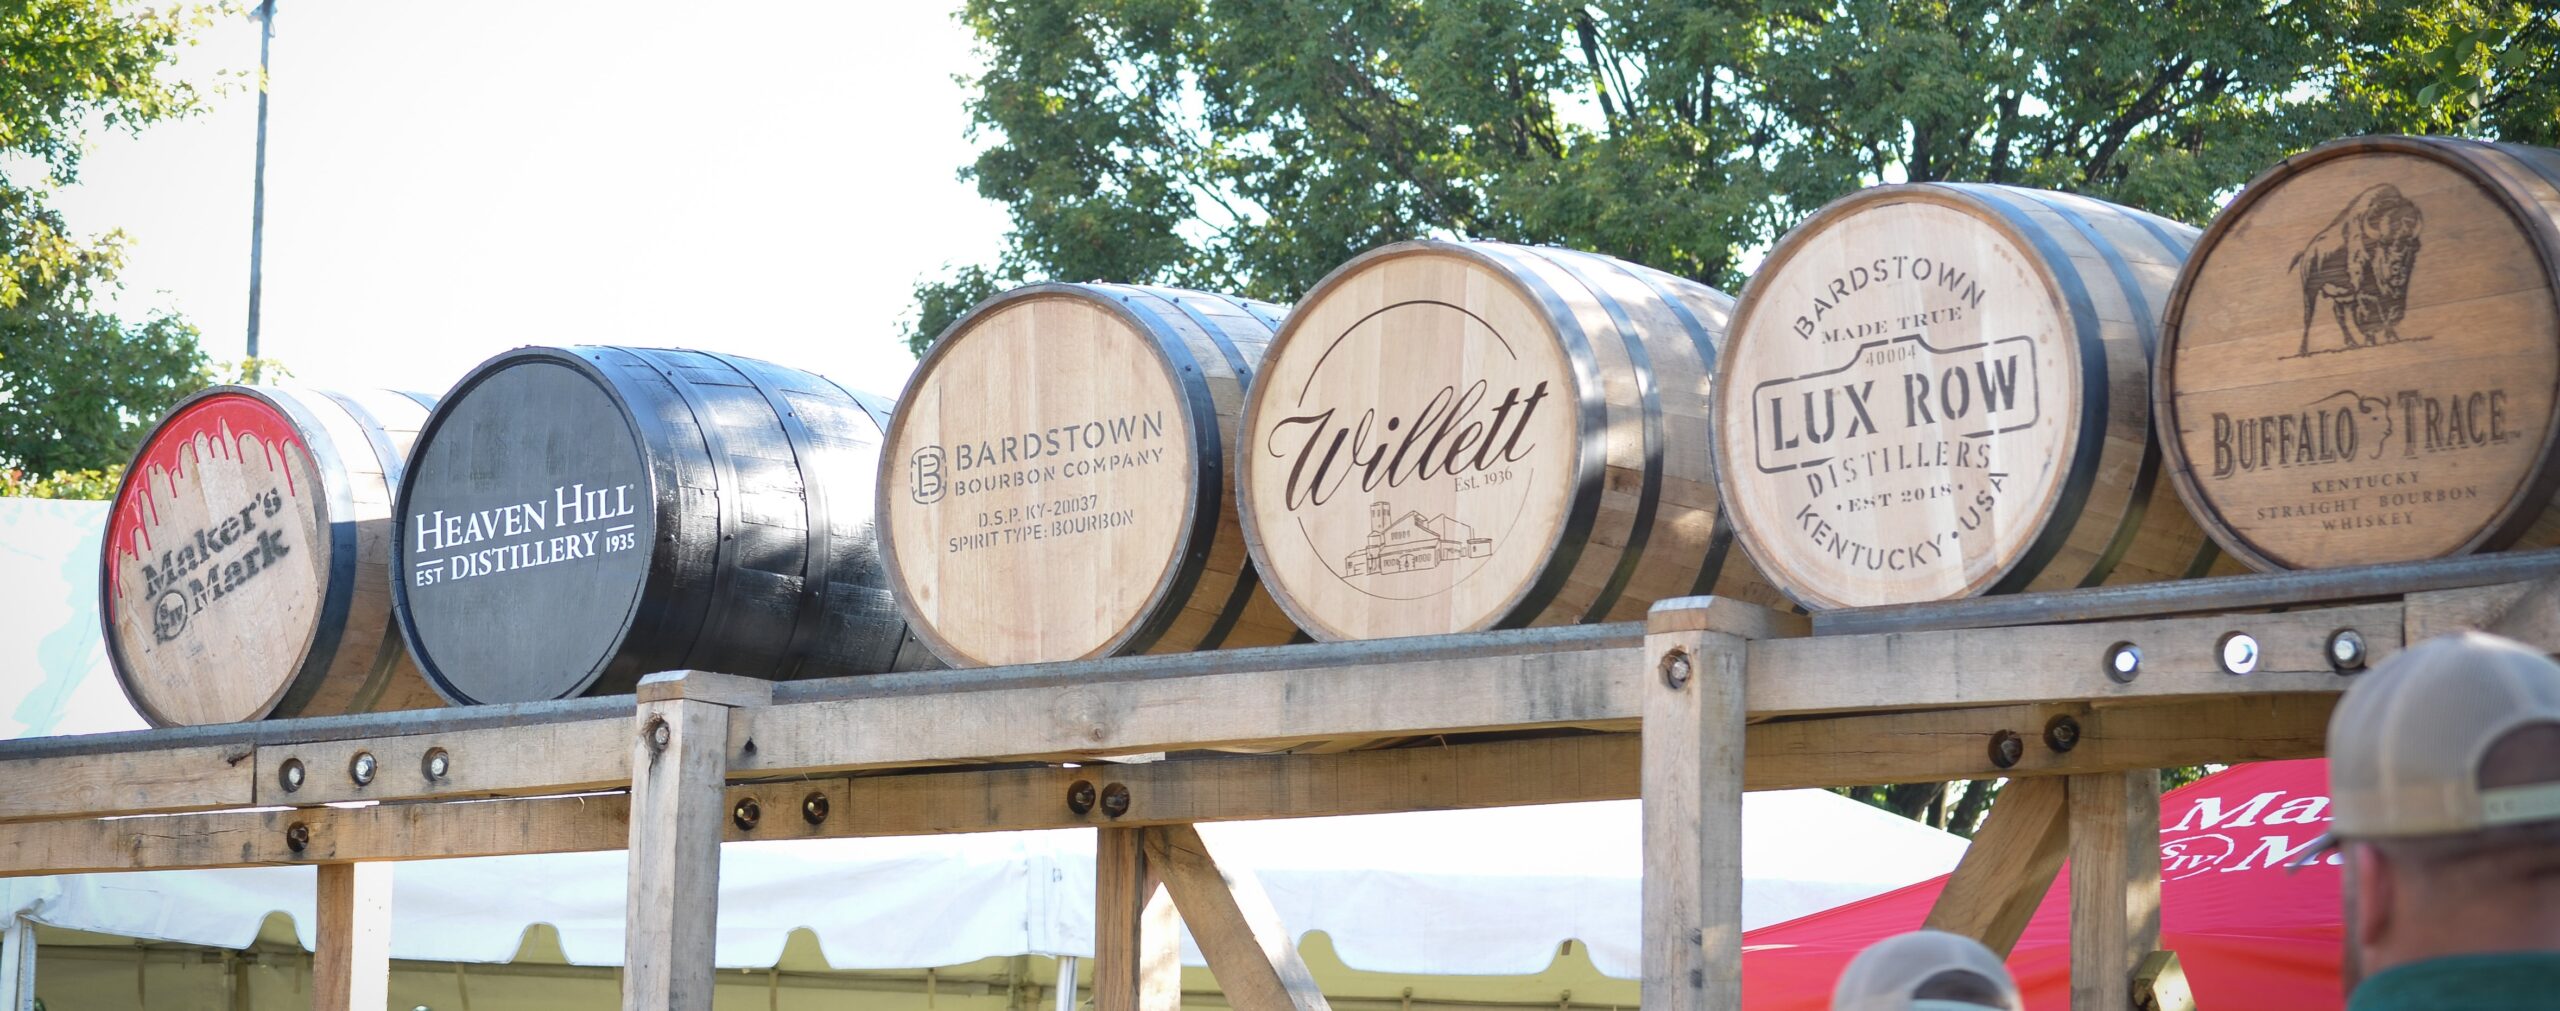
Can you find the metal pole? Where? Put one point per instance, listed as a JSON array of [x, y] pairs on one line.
[[258, 186], [1067, 983]]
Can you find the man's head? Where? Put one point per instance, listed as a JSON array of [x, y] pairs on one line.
[[1925, 970], [2444, 779]]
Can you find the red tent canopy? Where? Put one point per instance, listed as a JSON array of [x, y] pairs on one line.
[[2248, 934]]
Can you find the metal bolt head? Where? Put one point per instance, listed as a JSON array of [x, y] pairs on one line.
[[2238, 652], [1675, 668], [2124, 663], [1115, 800], [362, 768], [747, 814], [297, 837], [2007, 748], [813, 808], [290, 775], [437, 764], [2346, 651], [1080, 796], [2062, 733], [660, 735]]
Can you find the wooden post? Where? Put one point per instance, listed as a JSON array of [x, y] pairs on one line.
[[1137, 956], [679, 774], [1249, 951], [2010, 866], [18, 964], [1691, 780], [351, 963], [2115, 884]]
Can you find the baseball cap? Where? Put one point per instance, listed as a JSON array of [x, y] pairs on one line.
[[1891, 974], [2406, 743]]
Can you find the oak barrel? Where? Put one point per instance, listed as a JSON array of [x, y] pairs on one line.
[[1056, 481], [1941, 390], [577, 517], [1450, 436], [2361, 358], [244, 573]]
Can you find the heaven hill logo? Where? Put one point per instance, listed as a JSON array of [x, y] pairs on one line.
[[1462, 435], [2360, 266]]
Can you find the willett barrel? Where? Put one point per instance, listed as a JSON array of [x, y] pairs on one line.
[[2360, 360], [1448, 437], [245, 565], [578, 517], [1056, 483], [1941, 390]]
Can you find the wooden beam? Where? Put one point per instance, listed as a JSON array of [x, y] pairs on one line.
[[677, 810], [489, 762], [1692, 770], [1137, 956], [2115, 884], [178, 779], [1252, 955], [351, 963], [2010, 866]]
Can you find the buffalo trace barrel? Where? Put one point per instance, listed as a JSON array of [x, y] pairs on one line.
[[1447, 437], [245, 566], [1056, 480], [578, 517], [1941, 390], [2360, 361]]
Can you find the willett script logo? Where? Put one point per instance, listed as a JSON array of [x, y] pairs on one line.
[[924, 473]]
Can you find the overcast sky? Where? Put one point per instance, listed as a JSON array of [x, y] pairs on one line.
[[448, 181]]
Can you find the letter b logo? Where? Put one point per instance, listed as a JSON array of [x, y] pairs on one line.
[[924, 473]]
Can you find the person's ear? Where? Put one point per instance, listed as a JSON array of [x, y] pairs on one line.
[[2374, 896]]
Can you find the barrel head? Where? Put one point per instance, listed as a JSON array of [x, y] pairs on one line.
[[1901, 405], [1414, 448], [217, 561], [527, 526], [2363, 353]]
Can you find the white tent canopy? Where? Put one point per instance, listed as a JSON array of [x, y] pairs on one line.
[[1489, 892]]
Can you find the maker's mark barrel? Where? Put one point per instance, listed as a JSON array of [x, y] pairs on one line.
[[1056, 484], [243, 574], [2360, 362], [575, 518], [1449, 437], [1942, 390]]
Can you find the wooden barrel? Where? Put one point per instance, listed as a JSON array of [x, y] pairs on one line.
[[2361, 357], [1448, 437], [1056, 483], [245, 569], [578, 517], [1941, 390]]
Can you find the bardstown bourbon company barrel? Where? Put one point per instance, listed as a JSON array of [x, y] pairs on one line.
[[1056, 484], [578, 517], [2360, 361], [1942, 390], [245, 565], [1448, 437]]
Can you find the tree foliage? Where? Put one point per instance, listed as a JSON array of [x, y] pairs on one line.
[[1252, 146], [78, 385]]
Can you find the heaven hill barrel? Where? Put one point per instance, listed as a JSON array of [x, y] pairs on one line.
[[245, 565], [2360, 360], [578, 517], [1449, 437], [1941, 390], [1056, 483]]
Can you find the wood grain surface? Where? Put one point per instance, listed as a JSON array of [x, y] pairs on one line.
[[2360, 363], [1942, 390]]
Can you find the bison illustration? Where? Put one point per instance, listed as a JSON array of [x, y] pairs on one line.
[[2361, 265]]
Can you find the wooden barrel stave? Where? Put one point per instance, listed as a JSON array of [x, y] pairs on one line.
[[2481, 295]]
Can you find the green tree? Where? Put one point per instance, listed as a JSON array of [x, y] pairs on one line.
[[1252, 146], [78, 385]]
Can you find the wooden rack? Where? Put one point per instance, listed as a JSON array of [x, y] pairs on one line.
[[1709, 698]]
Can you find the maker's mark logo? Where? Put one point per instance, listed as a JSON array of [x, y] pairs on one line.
[[2360, 266]]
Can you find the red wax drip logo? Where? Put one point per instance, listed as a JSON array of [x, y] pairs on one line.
[[209, 430]]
